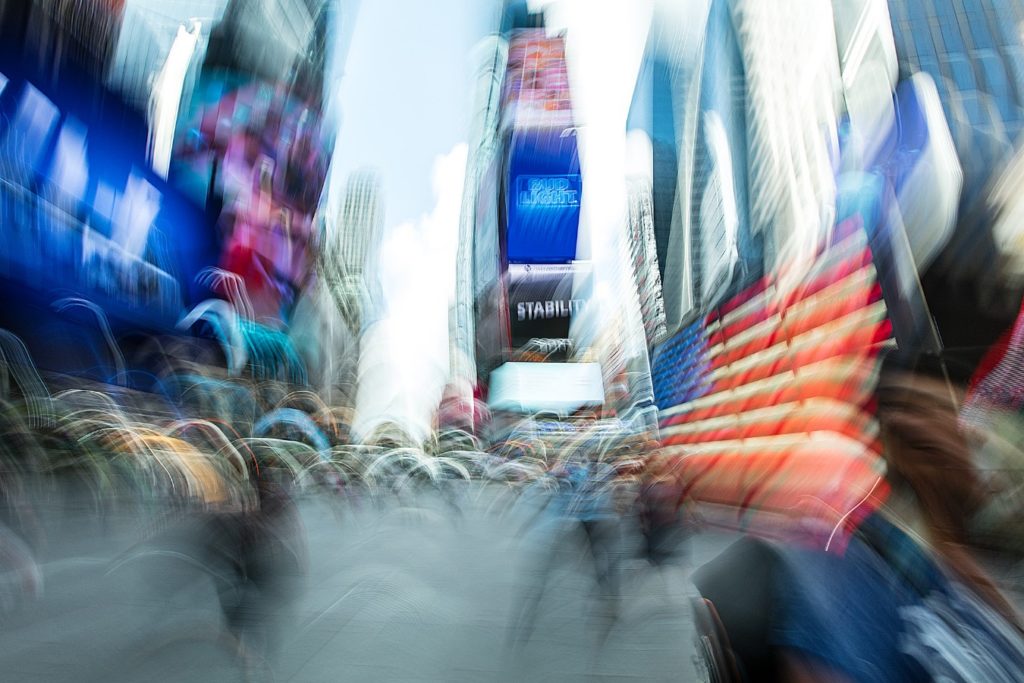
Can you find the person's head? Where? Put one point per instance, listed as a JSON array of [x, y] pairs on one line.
[[926, 453], [923, 447]]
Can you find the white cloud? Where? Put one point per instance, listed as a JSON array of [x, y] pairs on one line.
[[405, 356]]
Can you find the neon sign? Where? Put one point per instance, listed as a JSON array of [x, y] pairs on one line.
[[548, 191]]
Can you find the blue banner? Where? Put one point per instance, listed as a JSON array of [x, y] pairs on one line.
[[543, 196]]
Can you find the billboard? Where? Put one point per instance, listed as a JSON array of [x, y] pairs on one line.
[[562, 388], [255, 153], [543, 187], [536, 89], [769, 394], [543, 301], [82, 214], [543, 194]]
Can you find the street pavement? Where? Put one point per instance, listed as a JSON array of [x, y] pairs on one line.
[[394, 591]]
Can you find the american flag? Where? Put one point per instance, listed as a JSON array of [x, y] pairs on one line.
[[766, 408]]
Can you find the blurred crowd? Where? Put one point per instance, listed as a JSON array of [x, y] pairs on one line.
[[211, 487]]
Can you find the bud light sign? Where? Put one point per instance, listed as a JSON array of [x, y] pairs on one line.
[[543, 196], [548, 191]]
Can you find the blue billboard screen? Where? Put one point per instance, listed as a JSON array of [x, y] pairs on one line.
[[543, 197], [81, 212]]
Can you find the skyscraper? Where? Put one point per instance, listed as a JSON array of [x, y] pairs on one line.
[[665, 107], [644, 250], [794, 93], [973, 51], [725, 252], [354, 238], [360, 222], [145, 41], [54, 36], [279, 41], [478, 224]]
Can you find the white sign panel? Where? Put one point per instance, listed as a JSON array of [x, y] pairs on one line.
[[557, 387]]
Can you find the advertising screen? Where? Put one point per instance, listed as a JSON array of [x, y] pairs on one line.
[[543, 301], [543, 196], [768, 395], [82, 214], [536, 92], [534, 387], [258, 152]]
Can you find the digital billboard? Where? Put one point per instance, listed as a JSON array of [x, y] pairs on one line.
[[543, 188], [256, 152], [769, 394], [562, 388], [82, 214], [543, 301], [543, 196], [536, 89]]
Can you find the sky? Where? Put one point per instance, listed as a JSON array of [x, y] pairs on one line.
[[405, 94], [405, 98]]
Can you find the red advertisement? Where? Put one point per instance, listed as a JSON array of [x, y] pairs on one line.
[[536, 92], [260, 150]]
